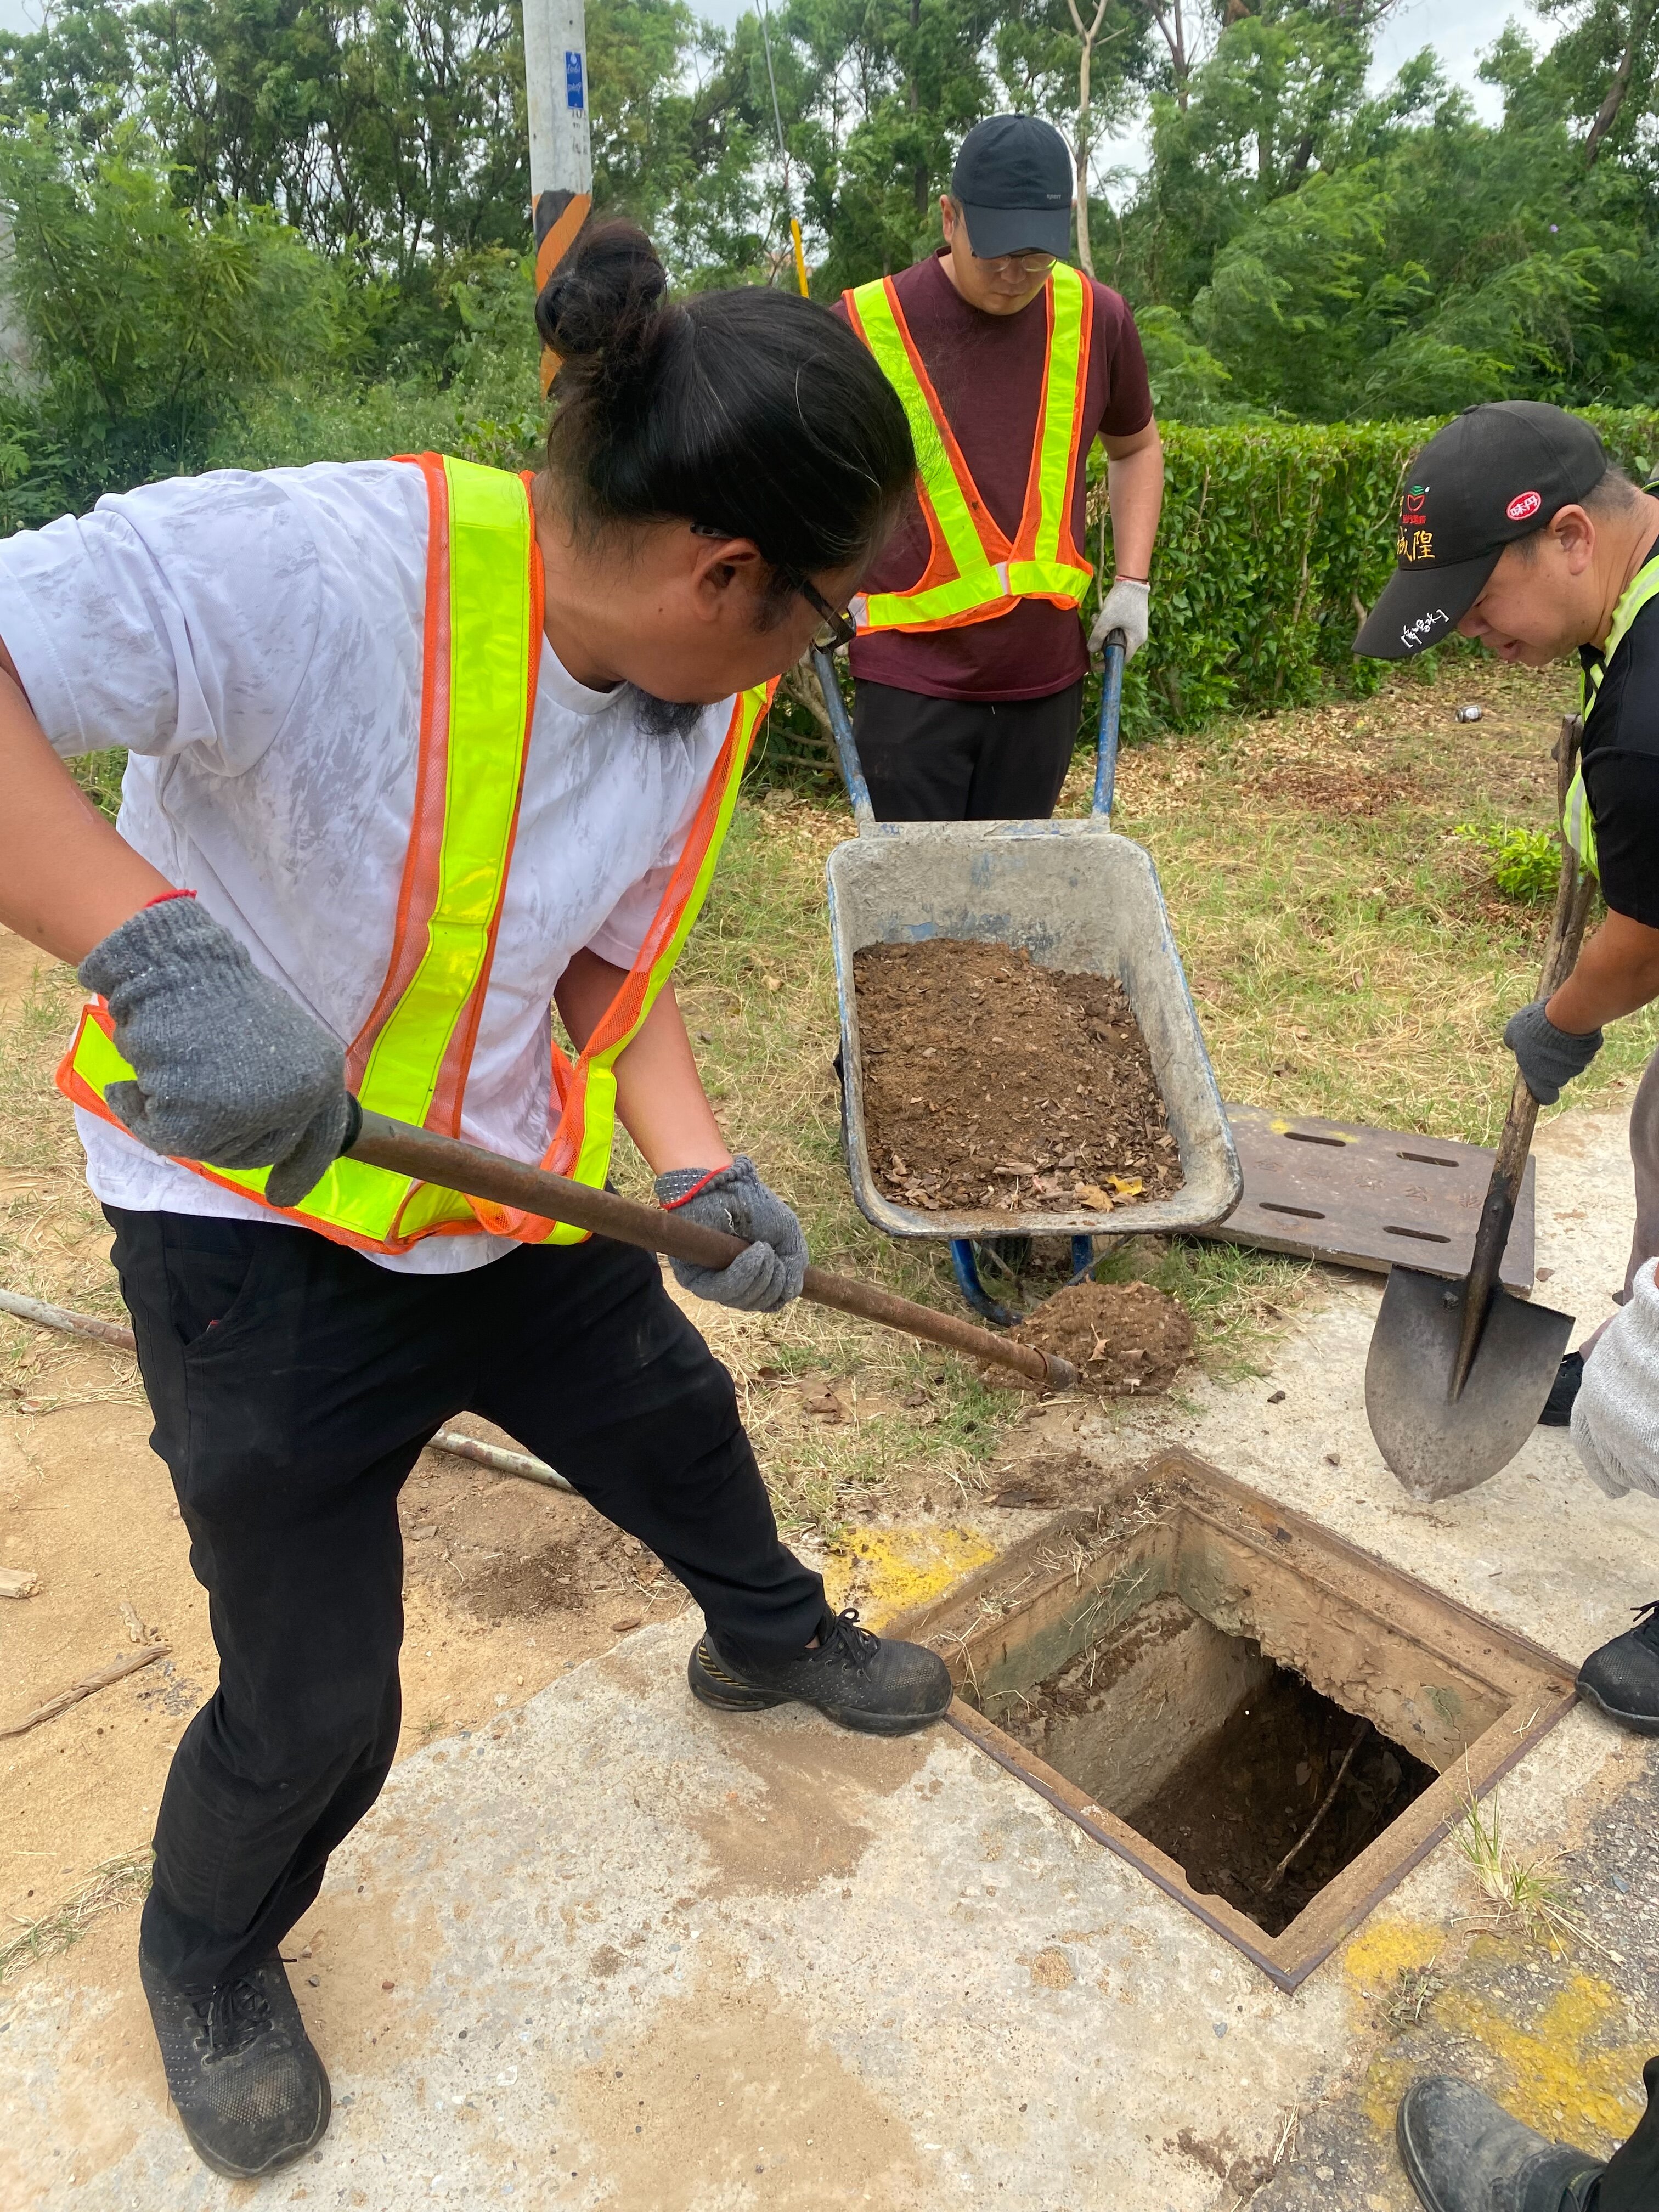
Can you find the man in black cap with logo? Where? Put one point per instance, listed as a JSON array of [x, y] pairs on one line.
[[969, 657], [1514, 530]]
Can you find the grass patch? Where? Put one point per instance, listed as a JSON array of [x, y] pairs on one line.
[[110, 1888], [1527, 1893]]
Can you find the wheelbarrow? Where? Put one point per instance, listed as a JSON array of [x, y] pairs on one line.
[[1076, 897]]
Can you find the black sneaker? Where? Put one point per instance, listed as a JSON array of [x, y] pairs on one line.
[[240, 2068], [1623, 1676], [857, 1679], [1464, 2154], [1557, 1406]]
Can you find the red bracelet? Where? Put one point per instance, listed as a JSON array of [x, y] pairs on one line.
[[162, 897], [702, 1183]]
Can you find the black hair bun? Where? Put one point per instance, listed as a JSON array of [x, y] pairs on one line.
[[603, 308]]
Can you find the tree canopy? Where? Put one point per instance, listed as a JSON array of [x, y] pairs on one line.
[[343, 184]]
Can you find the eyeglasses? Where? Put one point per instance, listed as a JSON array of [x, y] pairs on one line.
[[838, 627], [1034, 264]]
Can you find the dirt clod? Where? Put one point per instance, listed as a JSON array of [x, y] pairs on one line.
[[1127, 1339], [994, 1085]]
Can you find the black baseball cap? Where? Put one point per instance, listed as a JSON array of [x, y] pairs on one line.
[[1497, 473], [1013, 182]]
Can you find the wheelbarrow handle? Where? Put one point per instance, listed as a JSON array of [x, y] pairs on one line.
[[1111, 706], [840, 728], [451, 1165]]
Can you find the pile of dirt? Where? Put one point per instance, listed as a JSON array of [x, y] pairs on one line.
[[1127, 1339], [991, 1085]]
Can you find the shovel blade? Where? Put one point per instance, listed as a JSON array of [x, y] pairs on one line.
[[1439, 1445]]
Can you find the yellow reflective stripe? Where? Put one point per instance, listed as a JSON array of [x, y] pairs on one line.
[[1058, 428], [96, 1059], [1048, 580], [950, 508], [1578, 824], [351, 1195], [1641, 587], [980, 586], [599, 1135], [489, 645]]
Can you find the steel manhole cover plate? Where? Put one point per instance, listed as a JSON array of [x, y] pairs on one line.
[[1364, 1198]]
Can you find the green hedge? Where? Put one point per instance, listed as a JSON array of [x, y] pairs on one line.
[[1275, 537]]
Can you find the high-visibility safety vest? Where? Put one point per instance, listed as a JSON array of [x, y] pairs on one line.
[[482, 647], [974, 572], [1578, 824]]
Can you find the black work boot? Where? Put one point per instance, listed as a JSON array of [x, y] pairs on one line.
[[857, 1679], [240, 2068], [1623, 1676], [1557, 1406], [1464, 2154]]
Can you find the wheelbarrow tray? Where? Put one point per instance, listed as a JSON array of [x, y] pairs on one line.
[[1077, 897]]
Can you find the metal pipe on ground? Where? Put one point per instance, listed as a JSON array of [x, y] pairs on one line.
[[449, 1440]]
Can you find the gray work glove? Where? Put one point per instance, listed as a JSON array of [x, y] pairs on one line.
[[228, 1069], [769, 1274], [1546, 1056], [1125, 607]]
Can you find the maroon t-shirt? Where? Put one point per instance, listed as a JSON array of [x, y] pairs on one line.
[[988, 372]]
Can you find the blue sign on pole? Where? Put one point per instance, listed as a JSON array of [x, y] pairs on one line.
[[574, 96]]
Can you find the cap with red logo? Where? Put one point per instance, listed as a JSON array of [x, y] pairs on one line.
[[1497, 473]]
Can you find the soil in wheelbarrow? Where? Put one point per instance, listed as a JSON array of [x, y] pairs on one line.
[[994, 1085], [1127, 1340]]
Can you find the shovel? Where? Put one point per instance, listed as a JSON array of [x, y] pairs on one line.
[[383, 1143], [1459, 1371]]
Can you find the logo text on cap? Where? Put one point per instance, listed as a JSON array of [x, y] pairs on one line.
[[1524, 503]]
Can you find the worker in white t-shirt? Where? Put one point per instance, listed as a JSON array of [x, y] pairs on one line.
[[417, 753]]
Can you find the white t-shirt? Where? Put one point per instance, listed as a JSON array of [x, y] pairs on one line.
[[255, 641]]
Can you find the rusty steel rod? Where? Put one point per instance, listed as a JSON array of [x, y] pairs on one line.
[[60, 1317], [452, 1165]]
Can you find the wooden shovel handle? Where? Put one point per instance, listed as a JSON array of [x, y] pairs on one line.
[[451, 1165], [1573, 895]]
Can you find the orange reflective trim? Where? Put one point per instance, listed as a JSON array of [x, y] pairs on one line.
[[79, 1092], [941, 570], [1030, 520], [992, 538], [417, 895], [622, 1015]]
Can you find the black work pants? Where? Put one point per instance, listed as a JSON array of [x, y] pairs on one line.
[[964, 760], [1631, 2183], [293, 1384]]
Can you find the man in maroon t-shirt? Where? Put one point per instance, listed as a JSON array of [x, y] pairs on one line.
[[978, 722]]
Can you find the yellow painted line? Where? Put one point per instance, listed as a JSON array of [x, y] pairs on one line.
[[886, 1572]]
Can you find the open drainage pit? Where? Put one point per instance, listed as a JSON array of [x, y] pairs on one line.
[[1273, 1726], [1261, 1790]]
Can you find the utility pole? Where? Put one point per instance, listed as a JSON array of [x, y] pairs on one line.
[[561, 147]]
